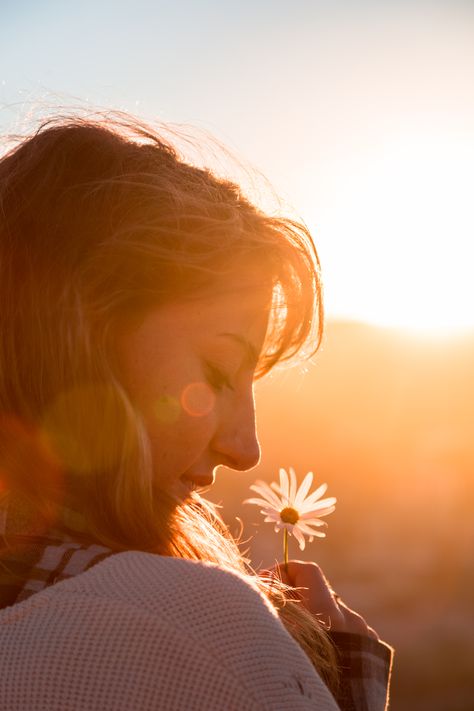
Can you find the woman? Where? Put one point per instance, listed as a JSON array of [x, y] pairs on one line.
[[141, 297]]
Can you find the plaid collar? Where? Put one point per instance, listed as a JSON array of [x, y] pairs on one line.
[[33, 558]]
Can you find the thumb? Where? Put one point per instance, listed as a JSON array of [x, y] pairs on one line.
[[276, 571]]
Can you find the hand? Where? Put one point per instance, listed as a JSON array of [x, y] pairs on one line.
[[319, 598]]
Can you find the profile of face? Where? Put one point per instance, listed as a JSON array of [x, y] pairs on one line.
[[189, 370]]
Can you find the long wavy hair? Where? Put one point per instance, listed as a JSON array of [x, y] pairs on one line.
[[100, 220]]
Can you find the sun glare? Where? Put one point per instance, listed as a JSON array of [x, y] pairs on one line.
[[404, 218]]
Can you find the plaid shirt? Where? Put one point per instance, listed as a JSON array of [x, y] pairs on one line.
[[366, 666], [30, 563]]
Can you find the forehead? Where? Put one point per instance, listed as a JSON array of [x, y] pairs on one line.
[[243, 311], [179, 324]]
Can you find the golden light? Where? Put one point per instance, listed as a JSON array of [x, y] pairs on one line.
[[402, 226]]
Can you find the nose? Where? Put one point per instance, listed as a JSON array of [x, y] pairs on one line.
[[235, 442]]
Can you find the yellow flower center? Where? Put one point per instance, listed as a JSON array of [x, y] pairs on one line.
[[289, 515]]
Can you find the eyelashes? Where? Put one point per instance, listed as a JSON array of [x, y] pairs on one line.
[[217, 379]]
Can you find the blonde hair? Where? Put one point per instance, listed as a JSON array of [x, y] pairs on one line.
[[100, 220]]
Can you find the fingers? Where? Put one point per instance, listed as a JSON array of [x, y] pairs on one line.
[[297, 573], [313, 589], [317, 595], [355, 623]]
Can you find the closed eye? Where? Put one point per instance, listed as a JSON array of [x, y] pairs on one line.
[[216, 378]]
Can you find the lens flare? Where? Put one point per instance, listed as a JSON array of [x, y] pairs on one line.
[[167, 409], [85, 426], [198, 399], [28, 465]]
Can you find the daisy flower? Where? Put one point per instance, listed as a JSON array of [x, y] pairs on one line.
[[291, 509]]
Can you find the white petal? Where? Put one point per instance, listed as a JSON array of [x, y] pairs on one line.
[[307, 529], [261, 489], [293, 486], [268, 511], [311, 520], [315, 495], [258, 502], [259, 484], [330, 501], [318, 505], [276, 488], [303, 490], [299, 537], [274, 515], [265, 491], [325, 512], [284, 485]]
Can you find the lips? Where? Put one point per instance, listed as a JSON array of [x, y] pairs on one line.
[[188, 483], [198, 481]]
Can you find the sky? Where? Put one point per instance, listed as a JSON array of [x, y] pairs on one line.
[[359, 113]]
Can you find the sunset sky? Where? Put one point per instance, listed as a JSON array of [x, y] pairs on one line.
[[361, 115]]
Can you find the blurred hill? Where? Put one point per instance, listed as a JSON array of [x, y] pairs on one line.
[[387, 420]]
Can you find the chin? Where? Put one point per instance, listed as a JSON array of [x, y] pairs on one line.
[[183, 490]]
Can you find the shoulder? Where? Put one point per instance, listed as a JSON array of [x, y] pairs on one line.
[[153, 581], [160, 628], [196, 594]]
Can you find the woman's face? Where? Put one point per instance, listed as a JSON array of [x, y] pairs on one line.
[[189, 369]]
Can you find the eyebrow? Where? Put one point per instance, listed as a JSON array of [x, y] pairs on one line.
[[252, 353]]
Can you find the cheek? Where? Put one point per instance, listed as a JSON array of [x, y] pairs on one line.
[[166, 401], [185, 416], [175, 447]]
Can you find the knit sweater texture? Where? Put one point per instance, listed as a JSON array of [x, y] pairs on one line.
[[147, 632]]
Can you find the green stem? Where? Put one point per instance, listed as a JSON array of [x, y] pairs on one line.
[[285, 548]]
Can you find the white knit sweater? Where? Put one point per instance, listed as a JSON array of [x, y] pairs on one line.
[[145, 632]]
